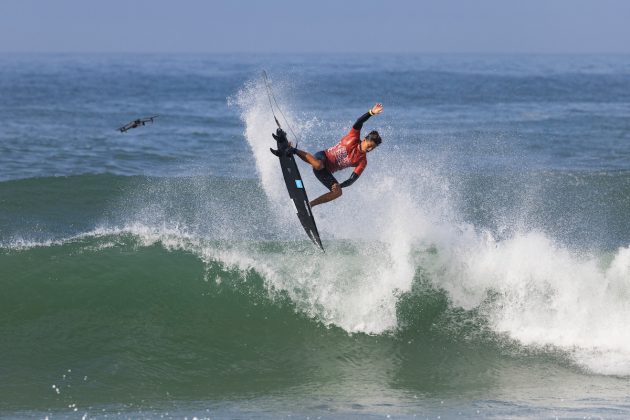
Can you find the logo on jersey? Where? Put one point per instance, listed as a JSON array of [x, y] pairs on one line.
[[342, 159]]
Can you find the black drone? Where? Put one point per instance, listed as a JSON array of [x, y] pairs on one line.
[[137, 123]]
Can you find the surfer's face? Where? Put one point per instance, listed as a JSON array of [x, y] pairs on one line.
[[369, 145]]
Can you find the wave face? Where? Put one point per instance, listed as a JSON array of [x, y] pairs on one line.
[[121, 316]]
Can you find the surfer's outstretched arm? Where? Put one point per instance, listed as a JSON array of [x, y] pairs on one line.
[[363, 118], [376, 109]]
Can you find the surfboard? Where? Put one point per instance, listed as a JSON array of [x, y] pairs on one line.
[[295, 187]]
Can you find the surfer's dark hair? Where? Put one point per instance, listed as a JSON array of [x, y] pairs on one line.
[[374, 136]]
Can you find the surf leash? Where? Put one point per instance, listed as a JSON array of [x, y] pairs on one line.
[[270, 95]]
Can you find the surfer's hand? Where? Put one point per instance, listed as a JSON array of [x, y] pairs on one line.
[[376, 109]]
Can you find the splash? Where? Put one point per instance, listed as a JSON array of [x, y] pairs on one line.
[[357, 292], [530, 288]]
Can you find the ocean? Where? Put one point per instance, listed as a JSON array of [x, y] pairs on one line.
[[479, 268]]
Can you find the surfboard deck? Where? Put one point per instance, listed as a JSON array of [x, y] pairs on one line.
[[295, 187]]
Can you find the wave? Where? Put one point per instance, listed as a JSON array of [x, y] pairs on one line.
[[525, 291], [411, 253]]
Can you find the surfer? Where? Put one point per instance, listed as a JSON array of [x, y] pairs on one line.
[[350, 151]]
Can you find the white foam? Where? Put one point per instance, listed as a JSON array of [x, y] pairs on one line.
[[259, 124], [357, 292], [542, 293], [546, 295]]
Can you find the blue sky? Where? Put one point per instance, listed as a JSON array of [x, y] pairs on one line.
[[298, 26]]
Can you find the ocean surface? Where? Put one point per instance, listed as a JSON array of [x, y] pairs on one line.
[[479, 268]]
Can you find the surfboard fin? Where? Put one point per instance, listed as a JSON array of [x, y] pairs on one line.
[[287, 152], [280, 135], [284, 147]]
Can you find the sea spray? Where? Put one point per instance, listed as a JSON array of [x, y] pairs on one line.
[[359, 294], [544, 294]]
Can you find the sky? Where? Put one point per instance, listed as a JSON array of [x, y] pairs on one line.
[[322, 26]]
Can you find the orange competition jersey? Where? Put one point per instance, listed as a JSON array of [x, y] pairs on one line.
[[347, 153]]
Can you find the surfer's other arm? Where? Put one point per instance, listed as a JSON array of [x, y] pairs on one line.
[[353, 177]]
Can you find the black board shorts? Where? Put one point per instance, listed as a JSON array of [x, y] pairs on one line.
[[324, 175]]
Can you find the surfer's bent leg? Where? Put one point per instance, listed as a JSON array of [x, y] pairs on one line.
[[325, 177], [335, 192]]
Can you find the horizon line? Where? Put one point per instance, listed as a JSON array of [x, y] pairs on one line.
[[546, 53]]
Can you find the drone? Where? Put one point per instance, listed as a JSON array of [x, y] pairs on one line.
[[137, 123]]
